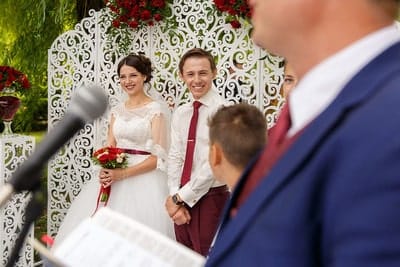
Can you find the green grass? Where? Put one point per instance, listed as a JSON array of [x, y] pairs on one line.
[[38, 135]]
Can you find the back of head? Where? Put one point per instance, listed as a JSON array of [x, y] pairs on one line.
[[390, 7], [240, 130]]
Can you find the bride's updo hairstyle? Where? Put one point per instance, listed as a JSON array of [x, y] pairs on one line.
[[138, 61]]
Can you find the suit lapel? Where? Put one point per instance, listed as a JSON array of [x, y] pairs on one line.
[[358, 90]]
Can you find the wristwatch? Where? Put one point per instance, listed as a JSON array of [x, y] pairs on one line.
[[176, 200]]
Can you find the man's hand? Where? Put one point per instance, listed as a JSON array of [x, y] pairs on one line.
[[171, 207], [178, 213], [182, 216]]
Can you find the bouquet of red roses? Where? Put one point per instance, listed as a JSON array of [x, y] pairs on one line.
[[108, 158]]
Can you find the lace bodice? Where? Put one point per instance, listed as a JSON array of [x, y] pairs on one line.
[[143, 128], [132, 127]]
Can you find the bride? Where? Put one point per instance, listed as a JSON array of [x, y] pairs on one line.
[[140, 125]]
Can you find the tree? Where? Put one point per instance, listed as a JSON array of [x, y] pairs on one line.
[[83, 7], [27, 30]]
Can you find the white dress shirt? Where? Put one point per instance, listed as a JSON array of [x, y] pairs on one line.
[[201, 179], [320, 86]]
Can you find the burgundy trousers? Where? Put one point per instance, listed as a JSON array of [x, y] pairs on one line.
[[205, 218]]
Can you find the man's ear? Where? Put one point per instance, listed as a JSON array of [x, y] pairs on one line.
[[214, 72], [215, 154]]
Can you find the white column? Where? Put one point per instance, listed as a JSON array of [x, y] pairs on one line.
[[14, 149]]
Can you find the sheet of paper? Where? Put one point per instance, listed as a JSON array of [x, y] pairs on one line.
[[111, 239]]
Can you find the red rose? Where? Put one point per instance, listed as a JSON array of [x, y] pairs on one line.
[[118, 150], [158, 17], [8, 83], [249, 13], [98, 152], [134, 12], [157, 3], [125, 3], [142, 3], [232, 11], [219, 3], [103, 158], [133, 24], [243, 8], [116, 23], [25, 83], [235, 24], [146, 15], [114, 9]]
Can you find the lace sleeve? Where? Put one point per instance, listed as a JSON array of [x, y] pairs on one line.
[[159, 144]]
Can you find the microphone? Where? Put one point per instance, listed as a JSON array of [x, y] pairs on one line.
[[87, 104]]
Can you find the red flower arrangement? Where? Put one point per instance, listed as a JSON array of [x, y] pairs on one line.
[[236, 9], [13, 80], [134, 14], [110, 157]]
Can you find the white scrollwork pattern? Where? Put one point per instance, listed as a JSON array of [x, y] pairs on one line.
[[246, 73], [13, 151]]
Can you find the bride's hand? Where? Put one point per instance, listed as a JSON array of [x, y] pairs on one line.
[[106, 177]]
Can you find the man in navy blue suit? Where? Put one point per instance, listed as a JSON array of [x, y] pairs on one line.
[[332, 196]]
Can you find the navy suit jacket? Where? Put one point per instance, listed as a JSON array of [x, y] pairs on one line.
[[333, 199]]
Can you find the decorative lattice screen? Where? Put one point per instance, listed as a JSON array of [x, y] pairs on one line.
[[14, 150], [85, 55]]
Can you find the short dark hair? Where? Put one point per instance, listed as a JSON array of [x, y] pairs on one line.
[[390, 7], [197, 52], [241, 130], [138, 61]]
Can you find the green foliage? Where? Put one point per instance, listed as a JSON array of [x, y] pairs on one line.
[[27, 30]]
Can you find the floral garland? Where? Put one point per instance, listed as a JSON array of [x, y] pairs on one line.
[[135, 14], [13, 80], [127, 15], [238, 10]]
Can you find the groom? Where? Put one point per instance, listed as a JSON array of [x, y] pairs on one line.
[[197, 198], [331, 197]]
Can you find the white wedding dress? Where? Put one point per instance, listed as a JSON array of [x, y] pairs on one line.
[[141, 197]]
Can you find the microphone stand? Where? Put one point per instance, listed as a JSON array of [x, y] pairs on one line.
[[33, 210]]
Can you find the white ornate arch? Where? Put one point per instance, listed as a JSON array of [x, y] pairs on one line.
[[85, 55]]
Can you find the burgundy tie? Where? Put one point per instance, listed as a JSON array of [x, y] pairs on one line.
[[191, 141], [277, 144]]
